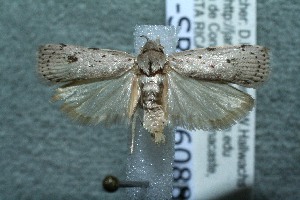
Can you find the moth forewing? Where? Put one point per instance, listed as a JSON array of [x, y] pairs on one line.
[[245, 65], [64, 63]]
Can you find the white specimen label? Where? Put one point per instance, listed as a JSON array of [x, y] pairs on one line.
[[214, 164]]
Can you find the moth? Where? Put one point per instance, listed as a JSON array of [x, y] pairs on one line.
[[191, 89]]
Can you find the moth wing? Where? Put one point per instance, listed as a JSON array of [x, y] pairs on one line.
[[245, 65], [196, 104], [63, 63], [107, 101]]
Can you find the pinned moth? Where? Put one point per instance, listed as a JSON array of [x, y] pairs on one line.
[[190, 89]]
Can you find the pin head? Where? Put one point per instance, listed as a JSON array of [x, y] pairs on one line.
[[110, 183]]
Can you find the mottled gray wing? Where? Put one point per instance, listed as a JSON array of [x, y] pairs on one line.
[[197, 104], [245, 65], [63, 63]]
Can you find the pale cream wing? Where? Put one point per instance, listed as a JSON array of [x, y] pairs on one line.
[[108, 101], [195, 104], [246, 65], [63, 63]]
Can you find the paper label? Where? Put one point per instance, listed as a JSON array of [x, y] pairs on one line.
[[210, 165]]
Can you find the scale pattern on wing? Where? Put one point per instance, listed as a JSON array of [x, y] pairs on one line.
[[63, 63], [104, 101], [245, 65], [195, 104]]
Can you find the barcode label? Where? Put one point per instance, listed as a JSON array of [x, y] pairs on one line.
[[210, 165]]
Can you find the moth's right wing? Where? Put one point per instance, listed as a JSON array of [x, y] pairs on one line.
[[64, 63], [197, 104]]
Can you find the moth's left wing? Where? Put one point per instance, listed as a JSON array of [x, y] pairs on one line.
[[195, 104], [246, 65], [108, 101], [63, 63]]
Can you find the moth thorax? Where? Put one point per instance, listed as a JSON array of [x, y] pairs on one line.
[[151, 62]]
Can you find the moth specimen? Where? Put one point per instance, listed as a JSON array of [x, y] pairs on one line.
[[190, 89]]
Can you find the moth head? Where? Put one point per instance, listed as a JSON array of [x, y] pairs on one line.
[[151, 58], [153, 45]]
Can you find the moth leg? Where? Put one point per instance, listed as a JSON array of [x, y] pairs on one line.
[[133, 129], [134, 97]]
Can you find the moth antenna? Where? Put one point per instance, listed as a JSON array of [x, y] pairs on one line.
[[144, 36]]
